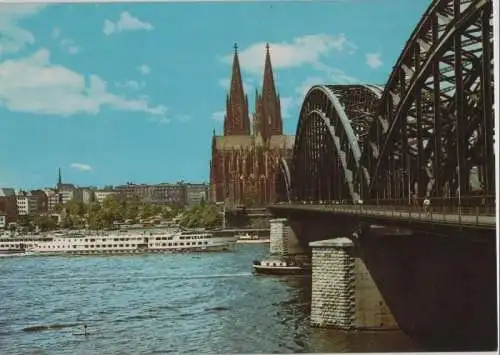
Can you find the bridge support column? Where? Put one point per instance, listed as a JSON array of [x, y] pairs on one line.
[[277, 237], [344, 295], [283, 241]]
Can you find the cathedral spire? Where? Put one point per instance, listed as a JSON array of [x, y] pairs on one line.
[[59, 178], [236, 121], [268, 109]]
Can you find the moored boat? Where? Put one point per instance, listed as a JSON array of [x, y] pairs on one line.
[[134, 243], [279, 267], [251, 239]]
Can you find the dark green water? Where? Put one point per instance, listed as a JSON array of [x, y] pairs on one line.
[[159, 304]]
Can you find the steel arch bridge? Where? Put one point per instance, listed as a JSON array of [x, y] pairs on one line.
[[427, 133]]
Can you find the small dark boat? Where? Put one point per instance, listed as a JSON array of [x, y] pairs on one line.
[[279, 267]]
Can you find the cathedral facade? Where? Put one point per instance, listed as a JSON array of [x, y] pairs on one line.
[[245, 159]]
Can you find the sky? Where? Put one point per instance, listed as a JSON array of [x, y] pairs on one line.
[[131, 92]]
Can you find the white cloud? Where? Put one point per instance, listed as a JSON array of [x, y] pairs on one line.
[[300, 51], [70, 46], [126, 22], [144, 69], [12, 37], [34, 84], [373, 60], [132, 85], [81, 167], [162, 120], [218, 116]]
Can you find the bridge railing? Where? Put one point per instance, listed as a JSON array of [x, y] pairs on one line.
[[475, 205], [478, 210]]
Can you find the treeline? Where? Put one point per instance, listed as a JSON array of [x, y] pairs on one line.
[[97, 216], [205, 215]]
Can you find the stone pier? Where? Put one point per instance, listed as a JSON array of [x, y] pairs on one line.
[[283, 241], [344, 295]]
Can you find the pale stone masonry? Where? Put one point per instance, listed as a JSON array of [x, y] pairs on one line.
[[277, 237], [344, 294], [332, 301]]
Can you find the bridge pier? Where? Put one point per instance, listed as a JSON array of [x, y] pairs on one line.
[[283, 240], [344, 295]]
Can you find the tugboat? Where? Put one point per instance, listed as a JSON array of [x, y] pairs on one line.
[[280, 267]]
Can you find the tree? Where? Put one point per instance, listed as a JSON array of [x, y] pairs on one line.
[[66, 222], [45, 223]]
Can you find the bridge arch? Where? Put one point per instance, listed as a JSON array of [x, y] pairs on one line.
[[283, 181], [435, 132], [333, 119]]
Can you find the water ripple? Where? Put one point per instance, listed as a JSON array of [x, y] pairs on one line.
[[156, 304]]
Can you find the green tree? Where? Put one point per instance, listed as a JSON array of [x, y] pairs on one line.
[[45, 223], [75, 208], [66, 222]]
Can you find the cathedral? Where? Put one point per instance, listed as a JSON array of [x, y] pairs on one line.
[[244, 162]]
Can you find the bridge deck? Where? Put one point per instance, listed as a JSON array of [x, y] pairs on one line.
[[390, 212]]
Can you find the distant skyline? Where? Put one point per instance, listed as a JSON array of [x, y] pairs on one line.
[[122, 92]]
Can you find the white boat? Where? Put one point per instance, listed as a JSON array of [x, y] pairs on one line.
[[15, 251], [279, 267], [134, 243], [251, 239]]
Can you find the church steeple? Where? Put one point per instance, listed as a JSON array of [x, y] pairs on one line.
[[59, 178], [236, 121], [268, 110]]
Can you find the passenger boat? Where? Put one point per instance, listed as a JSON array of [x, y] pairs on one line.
[[251, 239], [14, 250], [280, 267], [134, 243]]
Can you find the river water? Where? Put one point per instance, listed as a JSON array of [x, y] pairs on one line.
[[164, 303]]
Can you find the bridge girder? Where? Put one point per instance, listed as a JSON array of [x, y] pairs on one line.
[[428, 132]]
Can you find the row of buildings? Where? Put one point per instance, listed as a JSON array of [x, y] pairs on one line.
[[245, 159], [15, 203]]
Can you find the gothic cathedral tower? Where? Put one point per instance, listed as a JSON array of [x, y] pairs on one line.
[[267, 118], [236, 120]]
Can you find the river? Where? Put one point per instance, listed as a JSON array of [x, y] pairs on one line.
[[164, 303]]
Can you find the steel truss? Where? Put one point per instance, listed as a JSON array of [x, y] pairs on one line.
[[429, 132]]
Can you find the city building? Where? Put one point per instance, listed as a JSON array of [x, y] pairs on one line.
[[27, 204], [100, 195], [8, 204], [53, 199], [3, 220], [66, 191], [83, 194], [196, 193], [244, 163], [42, 201], [165, 194]]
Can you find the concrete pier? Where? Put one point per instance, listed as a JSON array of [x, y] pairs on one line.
[[344, 295], [283, 241], [277, 245]]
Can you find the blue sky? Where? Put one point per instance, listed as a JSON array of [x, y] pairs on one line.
[[132, 91]]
